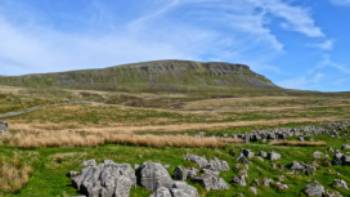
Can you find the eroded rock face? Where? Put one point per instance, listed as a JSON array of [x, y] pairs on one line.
[[153, 176], [307, 169], [314, 190], [213, 164], [178, 189], [339, 183], [211, 180], [3, 126], [107, 179]]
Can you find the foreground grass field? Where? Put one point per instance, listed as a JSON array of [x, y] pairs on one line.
[[67, 127], [50, 166]]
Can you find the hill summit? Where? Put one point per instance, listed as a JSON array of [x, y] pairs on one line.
[[154, 76]]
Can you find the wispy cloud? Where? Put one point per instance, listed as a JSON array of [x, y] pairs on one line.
[[295, 18]]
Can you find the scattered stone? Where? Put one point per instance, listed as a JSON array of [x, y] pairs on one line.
[[273, 156], [301, 167], [107, 179], [337, 158], [218, 165], [266, 182], [339, 183], [242, 159], [154, 175], [309, 169], [317, 155], [262, 154], [280, 186], [240, 180], [254, 190], [213, 164], [248, 153], [314, 190], [296, 166], [301, 138], [345, 147], [346, 160], [333, 194], [211, 180], [202, 162], [3, 126]]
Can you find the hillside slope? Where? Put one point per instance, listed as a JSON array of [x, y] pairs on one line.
[[155, 76]]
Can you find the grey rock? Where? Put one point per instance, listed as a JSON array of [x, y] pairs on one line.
[[262, 154], [213, 164], [108, 179], [339, 183], [345, 147], [91, 162], [182, 189], [280, 186], [218, 165], [317, 155], [161, 192], [248, 153], [314, 190], [346, 160], [242, 159], [301, 167], [266, 182], [332, 194], [211, 180], [337, 158], [202, 162], [309, 169], [3, 126], [180, 173], [296, 166], [273, 156], [154, 175], [240, 180], [254, 190]]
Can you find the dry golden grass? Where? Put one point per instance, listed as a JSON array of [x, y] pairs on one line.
[[180, 127], [77, 139], [297, 143], [13, 174]]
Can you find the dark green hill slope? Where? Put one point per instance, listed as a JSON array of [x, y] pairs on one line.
[[156, 76]]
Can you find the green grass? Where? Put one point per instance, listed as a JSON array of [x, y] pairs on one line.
[[50, 166]]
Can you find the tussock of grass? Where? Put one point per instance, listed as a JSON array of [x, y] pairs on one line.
[[14, 174], [297, 143], [76, 139]]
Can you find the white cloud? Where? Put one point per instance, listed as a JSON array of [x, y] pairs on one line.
[[326, 45], [295, 18]]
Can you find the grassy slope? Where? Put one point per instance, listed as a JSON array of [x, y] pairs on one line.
[[158, 76], [51, 165], [72, 109]]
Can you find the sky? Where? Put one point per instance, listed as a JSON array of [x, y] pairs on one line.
[[302, 44]]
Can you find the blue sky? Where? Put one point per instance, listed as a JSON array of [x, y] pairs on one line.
[[300, 44]]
